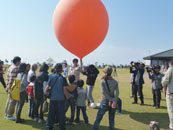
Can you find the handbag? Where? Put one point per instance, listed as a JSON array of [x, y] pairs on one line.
[[119, 101], [48, 92], [15, 90], [45, 106]]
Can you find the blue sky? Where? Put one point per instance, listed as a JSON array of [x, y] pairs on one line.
[[137, 28]]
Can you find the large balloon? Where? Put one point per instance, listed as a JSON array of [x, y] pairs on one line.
[[80, 25]]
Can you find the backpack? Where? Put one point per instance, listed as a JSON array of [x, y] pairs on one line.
[[15, 90]]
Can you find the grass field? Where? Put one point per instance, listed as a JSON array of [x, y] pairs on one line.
[[133, 117]]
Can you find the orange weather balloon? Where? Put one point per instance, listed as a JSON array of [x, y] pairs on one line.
[[80, 25]]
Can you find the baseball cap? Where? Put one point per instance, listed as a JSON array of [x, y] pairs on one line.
[[107, 69]]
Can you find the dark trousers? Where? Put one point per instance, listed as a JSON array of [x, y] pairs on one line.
[[20, 104], [156, 97], [31, 107], [104, 107], [56, 107], [138, 89], [83, 109], [39, 104], [71, 104], [133, 92], [3, 82]]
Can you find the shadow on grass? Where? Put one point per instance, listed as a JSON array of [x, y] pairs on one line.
[[82, 126], [145, 118]]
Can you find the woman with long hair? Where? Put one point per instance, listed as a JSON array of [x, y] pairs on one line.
[[22, 75], [39, 95], [110, 93]]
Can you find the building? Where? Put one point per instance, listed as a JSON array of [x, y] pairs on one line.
[[161, 58]]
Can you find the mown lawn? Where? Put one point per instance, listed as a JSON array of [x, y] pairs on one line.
[[134, 117]]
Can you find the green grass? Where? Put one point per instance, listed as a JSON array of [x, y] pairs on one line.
[[134, 117]]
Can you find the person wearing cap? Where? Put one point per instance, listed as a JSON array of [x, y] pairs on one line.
[[59, 93], [167, 83], [76, 69], [156, 78], [2, 71], [11, 75], [110, 93]]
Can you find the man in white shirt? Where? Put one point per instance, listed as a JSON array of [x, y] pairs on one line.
[[32, 72], [76, 69]]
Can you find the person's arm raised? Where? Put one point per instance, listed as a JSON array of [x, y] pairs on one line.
[[81, 65]]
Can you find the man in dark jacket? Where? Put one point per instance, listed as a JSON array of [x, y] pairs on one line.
[[91, 72], [138, 82]]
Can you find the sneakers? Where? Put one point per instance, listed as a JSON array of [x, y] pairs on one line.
[[40, 120], [12, 118], [134, 103], [142, 104], [35, 119], [87, 124], [132, 96], [20, 121], [93, 105], [157, 107]]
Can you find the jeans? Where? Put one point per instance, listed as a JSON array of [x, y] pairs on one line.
[[72, 104], [104, 107], [20, 104], [39, 103], [169, 100], [54, 107], [156, 97], [3, 82], [83, 109], [89, 91], [31, 107], [138, 88]]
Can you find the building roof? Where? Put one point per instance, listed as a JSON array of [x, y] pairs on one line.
[[166, 55]]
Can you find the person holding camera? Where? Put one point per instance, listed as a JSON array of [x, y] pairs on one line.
[[156, 78], [110, 93], [138, 82], [132, 68]]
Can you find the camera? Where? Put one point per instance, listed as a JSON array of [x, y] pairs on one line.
[[150, 69]]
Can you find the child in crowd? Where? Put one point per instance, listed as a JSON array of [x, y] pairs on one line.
[[30, 91], [72, 92], [81, 102], [156, 78]]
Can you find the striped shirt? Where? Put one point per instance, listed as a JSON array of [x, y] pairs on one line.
[[12, 74]]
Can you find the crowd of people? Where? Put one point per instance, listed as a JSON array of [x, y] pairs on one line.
[[160, 80], [64, 89]]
